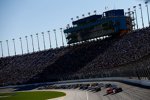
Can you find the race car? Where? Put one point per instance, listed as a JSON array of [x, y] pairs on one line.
[[111, 90], [108, 85], [116, 90]]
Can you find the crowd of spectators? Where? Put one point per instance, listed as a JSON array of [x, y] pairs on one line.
[[130, 48], [89, 59], [19, 69], [77, 57]]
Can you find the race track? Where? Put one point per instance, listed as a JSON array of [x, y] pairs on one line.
[[128, 93]]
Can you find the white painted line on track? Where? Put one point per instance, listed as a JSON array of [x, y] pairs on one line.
[[87, 96]]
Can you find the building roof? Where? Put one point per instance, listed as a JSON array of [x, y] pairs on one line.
[[83, 20], [117, 12]]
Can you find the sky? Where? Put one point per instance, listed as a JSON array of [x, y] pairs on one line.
[[20, 18]]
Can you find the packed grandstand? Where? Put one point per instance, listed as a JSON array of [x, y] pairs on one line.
[[126, 56]]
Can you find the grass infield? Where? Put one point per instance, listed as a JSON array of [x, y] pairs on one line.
[[38, 95]]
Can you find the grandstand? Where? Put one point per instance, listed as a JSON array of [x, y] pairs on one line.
[[111, 57], [98, 57], [110, 23]]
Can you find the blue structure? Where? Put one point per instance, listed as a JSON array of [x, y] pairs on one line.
[[109, 23]]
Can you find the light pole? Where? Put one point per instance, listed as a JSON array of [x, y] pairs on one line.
[[141, 15], [95, 12], [8, 47], [49, 39], [83, 15], [135, 16], [68, 26], [147, 12], [14, 46], [43, 40], [32, 42], [55, 37], [1, 48], [21, 45], [72, 19], [38, 41], [62, 36], [129, 12], [133, 19], [27, 44]]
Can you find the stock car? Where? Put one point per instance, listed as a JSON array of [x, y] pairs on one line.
[[116, 90], [97, 89], [108, 85], [111, 90]]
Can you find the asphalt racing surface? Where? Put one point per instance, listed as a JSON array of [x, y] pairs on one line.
[[129, 93]]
